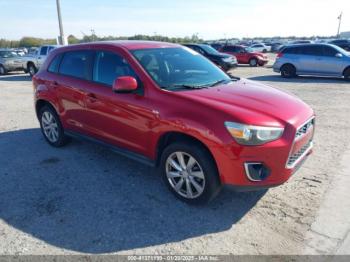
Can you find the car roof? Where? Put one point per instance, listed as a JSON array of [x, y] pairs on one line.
[[308, 44], [128, 44]]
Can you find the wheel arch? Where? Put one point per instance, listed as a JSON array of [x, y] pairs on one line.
[[345, 69], [175, 136], [288, 63], [40, 103]]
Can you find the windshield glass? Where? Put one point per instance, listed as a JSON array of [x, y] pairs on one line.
[[171, 68], [209, 49], [7, 54]]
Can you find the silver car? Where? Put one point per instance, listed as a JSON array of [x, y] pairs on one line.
[[313, 59], [9, 61]]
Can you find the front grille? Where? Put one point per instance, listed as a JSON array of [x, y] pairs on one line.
[[305, 128], [296, 156]]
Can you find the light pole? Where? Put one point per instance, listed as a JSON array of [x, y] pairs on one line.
[[62, 39], [339, 18]]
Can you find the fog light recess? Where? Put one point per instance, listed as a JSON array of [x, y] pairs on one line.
[[256, 171]]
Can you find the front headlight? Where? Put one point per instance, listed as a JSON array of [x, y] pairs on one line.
[[253, 135], [227, 59]]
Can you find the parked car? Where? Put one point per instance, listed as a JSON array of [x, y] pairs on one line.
[[301, 42], [275, 47], [245, 55], [32, 63], [9, 61], [343, 43], [224, 61], [260, 47], [313, 59], [171, 108]]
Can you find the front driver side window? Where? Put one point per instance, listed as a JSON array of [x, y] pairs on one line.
[[109, 66]]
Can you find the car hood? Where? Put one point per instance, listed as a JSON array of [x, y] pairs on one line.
[[221, 55], [253, 103]]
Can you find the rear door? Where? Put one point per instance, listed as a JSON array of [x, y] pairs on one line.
[[42, 53], [74, 74], [307, 59]]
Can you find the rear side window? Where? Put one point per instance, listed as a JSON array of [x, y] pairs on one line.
[[53, 67], [109, 66], [314, 50], [77, 64], [291, 50], [43, 50]]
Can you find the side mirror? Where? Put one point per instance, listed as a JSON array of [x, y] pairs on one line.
[[124, 84], [339, 55]]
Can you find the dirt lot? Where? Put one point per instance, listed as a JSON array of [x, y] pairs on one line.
[[83, 198]]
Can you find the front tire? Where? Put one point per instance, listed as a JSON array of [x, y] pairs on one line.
[[190, 173], [347, 74], [253, 62], [288, 71], [2, 70], [51, 127]]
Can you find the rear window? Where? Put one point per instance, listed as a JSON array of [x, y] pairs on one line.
[[43, 50], [77, 64], [53, 67], [291, 50]]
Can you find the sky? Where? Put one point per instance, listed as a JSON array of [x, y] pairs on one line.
[[210, 19]]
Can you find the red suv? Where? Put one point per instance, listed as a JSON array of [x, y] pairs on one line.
[[169, 107], [245, 55]]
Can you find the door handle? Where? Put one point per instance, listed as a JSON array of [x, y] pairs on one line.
[[54, 84], [91, 97]]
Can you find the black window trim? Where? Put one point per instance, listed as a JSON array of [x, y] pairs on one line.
[[140, 85], [76, 77]]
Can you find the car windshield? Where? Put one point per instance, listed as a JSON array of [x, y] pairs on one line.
[[249, 50], [179, 68], [7, 54], [209, 49]]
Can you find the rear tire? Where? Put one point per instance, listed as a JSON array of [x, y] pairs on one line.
[[190, 173], [253, 62], [2, 70], [31, 69], [347, 74], [288, 71], [51, 127]]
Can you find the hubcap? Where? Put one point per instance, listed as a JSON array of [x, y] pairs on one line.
[[31, 70], [253, 62], [185, 175], [49, 126]]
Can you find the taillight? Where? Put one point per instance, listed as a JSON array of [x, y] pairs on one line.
[[279, 55]]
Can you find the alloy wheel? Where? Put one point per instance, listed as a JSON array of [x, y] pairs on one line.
[[185, 175], [50, 126]]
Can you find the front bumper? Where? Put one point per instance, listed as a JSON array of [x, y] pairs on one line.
[[276, 156]]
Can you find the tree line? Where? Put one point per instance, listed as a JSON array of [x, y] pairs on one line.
[[34, 41]]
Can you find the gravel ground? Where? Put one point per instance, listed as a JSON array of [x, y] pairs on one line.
[[85, 199]]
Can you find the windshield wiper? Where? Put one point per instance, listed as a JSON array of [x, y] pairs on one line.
[[187, 86]]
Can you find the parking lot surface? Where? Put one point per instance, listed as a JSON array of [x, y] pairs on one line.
[[85, 199]]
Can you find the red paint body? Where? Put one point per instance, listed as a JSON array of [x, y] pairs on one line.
[[244, 58], [137, 122]]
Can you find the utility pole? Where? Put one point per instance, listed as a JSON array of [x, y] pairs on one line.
[[62, 39], [339, 18]]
